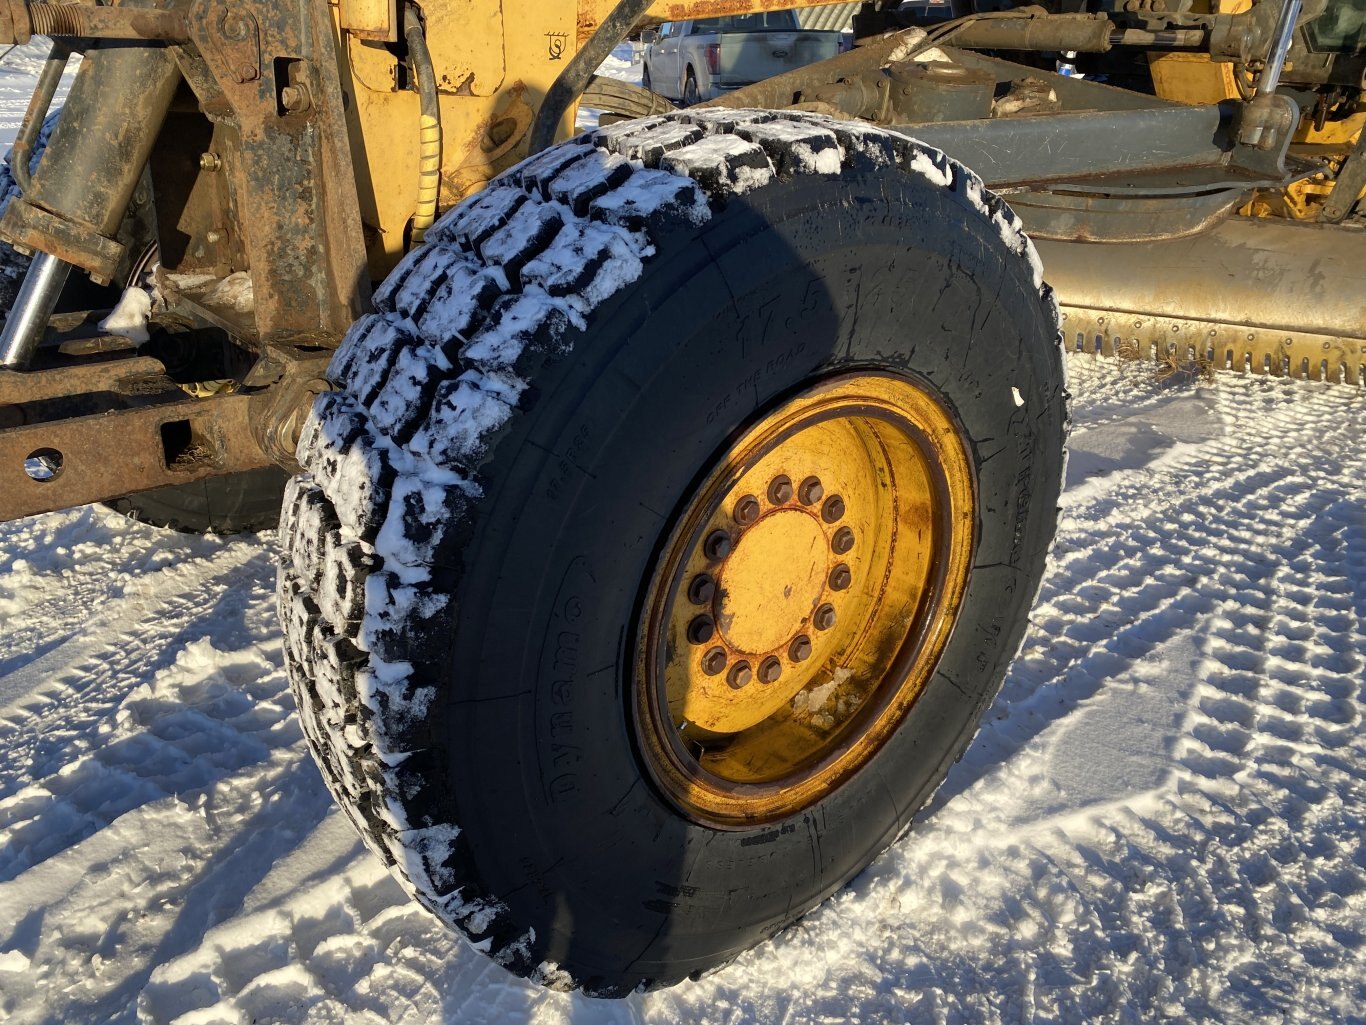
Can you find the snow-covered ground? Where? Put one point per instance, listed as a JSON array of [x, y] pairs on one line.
[[1162, 818], [18, 71]]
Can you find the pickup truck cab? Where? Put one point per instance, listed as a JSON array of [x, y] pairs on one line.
[[691, 61]]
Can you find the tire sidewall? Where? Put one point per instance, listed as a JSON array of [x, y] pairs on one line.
[[799, 281]]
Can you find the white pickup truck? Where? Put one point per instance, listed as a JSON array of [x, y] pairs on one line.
[[691, 61]]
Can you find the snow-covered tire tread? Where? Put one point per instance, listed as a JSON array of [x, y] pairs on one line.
[[371, 532]]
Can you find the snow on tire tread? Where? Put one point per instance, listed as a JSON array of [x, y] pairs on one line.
[[424, 385]]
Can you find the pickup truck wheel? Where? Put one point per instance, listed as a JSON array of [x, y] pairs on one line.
[[691, 95], [645, 81], [671, 526]]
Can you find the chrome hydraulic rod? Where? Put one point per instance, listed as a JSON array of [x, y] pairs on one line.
[[32, 309], [1275, 60]]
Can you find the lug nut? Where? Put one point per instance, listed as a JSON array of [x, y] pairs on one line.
[[811, 491], [843, 541], [800, 649], [702, 590], [714, 662], [718, 545], [780, 491], [824, 617], [747, 511], [770, 669], [841, 578], [700, 630], [833, 510], [740, 675]]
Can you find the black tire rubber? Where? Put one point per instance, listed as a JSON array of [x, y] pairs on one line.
[[623, 99], [692, 96], [238, 503], [645, 81], [464, 559]]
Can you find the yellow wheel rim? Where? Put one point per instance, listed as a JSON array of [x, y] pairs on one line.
[[803, 599]]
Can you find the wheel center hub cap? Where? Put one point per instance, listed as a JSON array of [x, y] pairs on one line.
[[772, 582]]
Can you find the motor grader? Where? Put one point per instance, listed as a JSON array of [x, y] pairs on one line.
[[669, 498]]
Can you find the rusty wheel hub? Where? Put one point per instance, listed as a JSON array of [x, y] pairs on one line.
[[803, 599]]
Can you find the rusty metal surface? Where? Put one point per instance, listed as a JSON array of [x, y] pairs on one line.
[[1276, 297], [126, 451], [296, 210], [132, 375], [1183, 343], [94, 161], [22, 21]]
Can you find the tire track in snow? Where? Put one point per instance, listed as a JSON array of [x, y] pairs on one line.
[[1205, 602]]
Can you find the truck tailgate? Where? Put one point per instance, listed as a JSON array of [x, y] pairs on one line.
[[752, 56]]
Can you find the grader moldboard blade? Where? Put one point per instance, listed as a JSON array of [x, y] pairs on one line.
[[1282, 298]]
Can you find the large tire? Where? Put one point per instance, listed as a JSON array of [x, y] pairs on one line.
[[467, 557], [233, 504]]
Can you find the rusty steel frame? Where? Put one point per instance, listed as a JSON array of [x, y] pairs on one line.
[[122, 451]]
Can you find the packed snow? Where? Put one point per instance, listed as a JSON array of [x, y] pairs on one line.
[[1162, 818]]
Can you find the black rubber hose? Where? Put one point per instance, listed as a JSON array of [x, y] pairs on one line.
[[575, 77], [429, 165]]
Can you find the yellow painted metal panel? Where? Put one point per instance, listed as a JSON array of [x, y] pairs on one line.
[[370, 19]]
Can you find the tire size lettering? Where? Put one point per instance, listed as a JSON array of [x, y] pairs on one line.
[[566, 464]]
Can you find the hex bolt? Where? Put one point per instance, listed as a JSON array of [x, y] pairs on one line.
[[210, 161], [770, 669], [295, 98], [701, 630], [747, 511], [718, 545], [824, 617], [213, 236], [833, 510], [740, 675], [843, 541], [841, 578], [800, 649], [702, 590], [811, 491], [714, 662], [780, 490]]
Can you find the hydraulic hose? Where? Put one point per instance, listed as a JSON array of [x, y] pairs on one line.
[[48, 79], [429, 152], [575, 77]]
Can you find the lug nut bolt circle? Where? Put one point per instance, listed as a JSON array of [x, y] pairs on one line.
[[747, 511], [843, 541], [740, 675], [701, 630], [718, 545], [714, 662], [780, 490], [833, 509], [811, 491], [841, 578], [702, 590], [770, 669], [824, 617], [800, 649]]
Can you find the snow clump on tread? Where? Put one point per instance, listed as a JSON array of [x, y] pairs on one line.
[[370, 530]]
